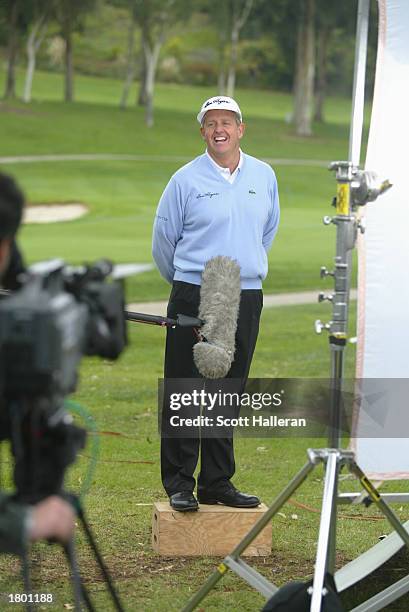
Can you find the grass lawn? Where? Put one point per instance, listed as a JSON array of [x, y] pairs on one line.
[[122, 196], [121, 397]]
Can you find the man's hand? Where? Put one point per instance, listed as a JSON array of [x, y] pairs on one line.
[[52, 518]]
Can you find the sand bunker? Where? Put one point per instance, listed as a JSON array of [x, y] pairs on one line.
[[53, 213]]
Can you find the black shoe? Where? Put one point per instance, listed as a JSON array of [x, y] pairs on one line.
[[229, 497], [184, 501]]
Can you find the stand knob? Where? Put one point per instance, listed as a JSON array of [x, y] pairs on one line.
[[322, 297], [327, 220], [319, 326], [324, 272]]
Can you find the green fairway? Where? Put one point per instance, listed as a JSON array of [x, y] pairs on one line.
[[121, 196]]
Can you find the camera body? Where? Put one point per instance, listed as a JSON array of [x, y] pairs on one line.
[[58, 315]]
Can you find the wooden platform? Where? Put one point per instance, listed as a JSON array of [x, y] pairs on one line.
[[212, 530]]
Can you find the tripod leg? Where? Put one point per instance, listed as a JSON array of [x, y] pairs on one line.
[[72, 560], [251, 535], [206, 588], [382, 505], [332, 547], [25, 570], [326, 526], [77, 585], [100, 560]]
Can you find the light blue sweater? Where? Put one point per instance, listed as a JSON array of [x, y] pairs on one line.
[[201, 215]]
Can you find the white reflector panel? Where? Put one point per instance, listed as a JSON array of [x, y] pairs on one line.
[[383, 295]]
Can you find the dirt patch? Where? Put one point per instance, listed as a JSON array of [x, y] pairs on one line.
[[54, 213]]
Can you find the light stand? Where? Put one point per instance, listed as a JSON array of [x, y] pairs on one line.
[[355, 188]]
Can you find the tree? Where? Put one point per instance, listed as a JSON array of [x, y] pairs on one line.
[[155, 18], [142, 96], [130, 56], [153, 37], [323, 38], [228, 17], [222, 24], [41, 11], [130, 69], [330, 18], [70, 15], [304, 69], [239, 15], [12, 10]]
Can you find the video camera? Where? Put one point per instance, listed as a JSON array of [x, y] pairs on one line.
[[60, 314]]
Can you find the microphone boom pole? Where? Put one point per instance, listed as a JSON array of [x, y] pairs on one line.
[[180, 321]]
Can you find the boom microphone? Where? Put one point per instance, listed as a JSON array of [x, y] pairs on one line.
[[219, 309]]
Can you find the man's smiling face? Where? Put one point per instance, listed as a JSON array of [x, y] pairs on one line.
[[222, 133]]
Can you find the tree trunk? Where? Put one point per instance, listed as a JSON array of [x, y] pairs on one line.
[[33, 44], [221, 83], [151, 58], [142, 95], [231, 74], [69, 68], [298, 70], [10, 89], [304, 87], [290, 118], [238, 22], [221, 77], [321, 85], [130, 64], [222, 51]]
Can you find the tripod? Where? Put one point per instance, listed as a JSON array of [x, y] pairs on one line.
[[80, 591], [334, 460], [79, 588], [355, 188], [44, 442]]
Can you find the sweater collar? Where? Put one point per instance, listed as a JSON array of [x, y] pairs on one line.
[[225, 172]]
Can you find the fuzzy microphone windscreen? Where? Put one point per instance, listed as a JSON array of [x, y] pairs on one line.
[[219, 308]]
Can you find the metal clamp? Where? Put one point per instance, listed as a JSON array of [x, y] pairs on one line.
[[324, 272], [366, 186], [322, 297], [319, 326]]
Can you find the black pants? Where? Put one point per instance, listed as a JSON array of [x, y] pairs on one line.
[[179, 456]]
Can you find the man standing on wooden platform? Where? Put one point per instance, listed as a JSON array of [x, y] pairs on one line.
[[224, 202]]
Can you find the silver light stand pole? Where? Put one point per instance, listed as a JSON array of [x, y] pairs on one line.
[[347, 226], [354, 188], [346, 233]]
